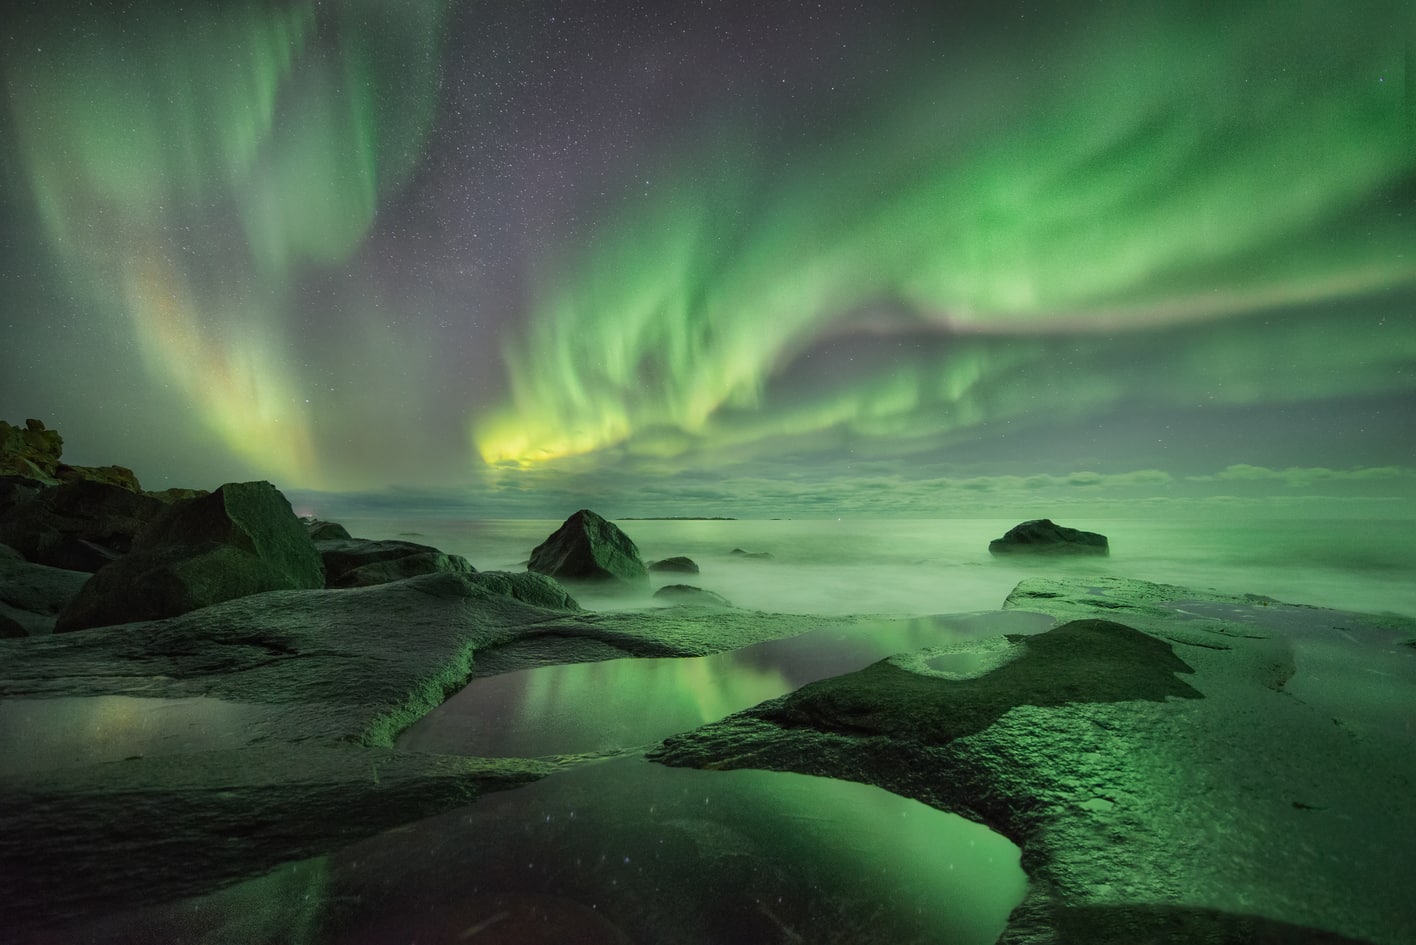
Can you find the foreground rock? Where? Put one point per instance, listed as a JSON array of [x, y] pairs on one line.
[[360, 562], [1041, 536], [300, 695], [79, 525], [589, 548], [32, 595], [1146, 757], [241, 539]]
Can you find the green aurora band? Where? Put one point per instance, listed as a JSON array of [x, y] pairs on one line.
[[1157, 174], [191, 161]]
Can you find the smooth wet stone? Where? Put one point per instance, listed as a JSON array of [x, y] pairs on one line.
[[360, 562], [675, 565], [1129, 781]]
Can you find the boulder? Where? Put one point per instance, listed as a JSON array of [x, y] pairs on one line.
[[79, 525], [169, 496], [17, 490], [30, 451], [32, 595], [689, 594], [589, 548], [11, 628], [359, 562], [678, 565], [241, 539], [763, 555], [325, 531], [1041, 536], [120, 476]]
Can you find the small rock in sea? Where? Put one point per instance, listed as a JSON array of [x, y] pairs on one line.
[[688, 594], [588, 548], [1041, 536], [751, 554], [678, 564], [325, 531]]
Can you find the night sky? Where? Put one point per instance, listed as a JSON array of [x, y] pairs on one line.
[[722, 258]]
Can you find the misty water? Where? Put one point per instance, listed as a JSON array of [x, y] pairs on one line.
[[941, 566]]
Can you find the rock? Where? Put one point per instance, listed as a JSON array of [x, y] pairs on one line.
[[299, 695], [241, 539], [79, 525], [325, 531], [1041, 536], [1181, 737], [168, 496], [17, 490], [120, 476], [589, 548], [11, 628], [32, 452], [679, 565], [359, 562], [528, 587], [764, 555], [32, 595], [688, 594]]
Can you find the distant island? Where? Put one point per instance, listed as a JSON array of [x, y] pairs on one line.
[[676, 518]]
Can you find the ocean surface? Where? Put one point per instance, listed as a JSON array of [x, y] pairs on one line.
[[941, 566]]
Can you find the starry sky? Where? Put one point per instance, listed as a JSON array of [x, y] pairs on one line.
[[720, 258]]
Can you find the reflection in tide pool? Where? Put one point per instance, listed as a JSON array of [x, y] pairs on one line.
[[626, 851], [623, 703], [44, 734]]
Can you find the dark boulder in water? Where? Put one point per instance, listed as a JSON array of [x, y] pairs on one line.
[[589, 548], [359, 562], [241, 539], [739, 553], [1041, 536], [678, 565]]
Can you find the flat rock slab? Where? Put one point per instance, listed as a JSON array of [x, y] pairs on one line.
[[256, 731], [1168, 772]]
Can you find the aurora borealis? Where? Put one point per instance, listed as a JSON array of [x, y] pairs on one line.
[[726, 259]]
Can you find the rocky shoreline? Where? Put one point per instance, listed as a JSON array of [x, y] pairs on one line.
[[1176, 766]]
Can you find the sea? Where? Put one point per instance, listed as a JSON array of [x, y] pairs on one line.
[[942, 566]]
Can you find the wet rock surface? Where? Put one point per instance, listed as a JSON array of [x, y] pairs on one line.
[[1129, 781], [675, 565]]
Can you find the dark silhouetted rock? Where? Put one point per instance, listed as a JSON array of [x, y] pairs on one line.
[[763, 555], [325, 531], [120, 476], [241, 539], [32, 595], [589, 548], [17, 490], [30, 451], [359, 562], [1041, 536], [10, 628], [688, 594], [169, 496], [80, 525], [678, 565]]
